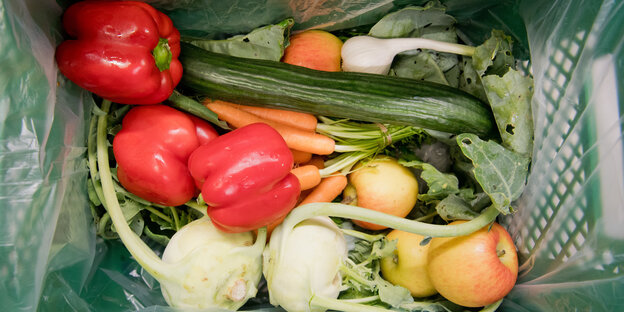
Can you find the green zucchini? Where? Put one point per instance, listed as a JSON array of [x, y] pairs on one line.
[[357, 96]]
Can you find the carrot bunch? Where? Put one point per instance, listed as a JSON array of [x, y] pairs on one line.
[[297, 129]]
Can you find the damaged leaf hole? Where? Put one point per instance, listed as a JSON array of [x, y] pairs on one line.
[[510, 129]]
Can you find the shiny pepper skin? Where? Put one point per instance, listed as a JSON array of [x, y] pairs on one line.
[[124, 51], [152, 151], [245, 178]]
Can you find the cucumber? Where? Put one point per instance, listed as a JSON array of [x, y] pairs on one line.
[[357, 96]]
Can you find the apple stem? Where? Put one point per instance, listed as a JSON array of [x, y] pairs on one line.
[[500, 252]]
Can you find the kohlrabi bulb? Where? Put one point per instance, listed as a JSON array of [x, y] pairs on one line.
[[215, 269], [303, 262], [366, 54]]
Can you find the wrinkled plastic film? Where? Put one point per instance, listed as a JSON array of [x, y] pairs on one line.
[[568, 225], [41, 161]]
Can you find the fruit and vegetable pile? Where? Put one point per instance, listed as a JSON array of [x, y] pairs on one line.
[[355, 170]]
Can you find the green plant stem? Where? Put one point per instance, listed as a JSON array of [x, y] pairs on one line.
[[102, 224], [361, 300], [356, 277], [343, 163], [427, 217], [176, 219], [353, 212], [139, 250], [119, 189], [151, 207], [159, 214], [92, 159], [179, 101], [261, 240], [342, 305], [194, 205], [356, 141], [362, 235]]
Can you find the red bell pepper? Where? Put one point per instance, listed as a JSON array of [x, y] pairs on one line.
[[123, 51], [245, 178], [152, 150]]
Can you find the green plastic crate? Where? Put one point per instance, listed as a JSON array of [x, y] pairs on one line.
[[569, 227]]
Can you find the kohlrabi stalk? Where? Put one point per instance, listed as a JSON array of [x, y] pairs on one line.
[[201, 267], [366, 54], [306, 211]]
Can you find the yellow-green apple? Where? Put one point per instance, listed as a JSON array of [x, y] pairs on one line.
[[315, 49], [384, 185], [408, 266], [474, 270]]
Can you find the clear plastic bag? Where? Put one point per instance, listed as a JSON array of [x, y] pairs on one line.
[[567, 227]]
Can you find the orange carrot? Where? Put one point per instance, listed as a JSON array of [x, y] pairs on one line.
[[305, 141], [299, 120], [327, 190], [295, 138], [234, 116], [301, 157], [309, 176]]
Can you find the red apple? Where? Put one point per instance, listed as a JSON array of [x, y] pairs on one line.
[[474, 270], [315, 49]]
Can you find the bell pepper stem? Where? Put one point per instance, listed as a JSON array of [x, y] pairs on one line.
[[162, 54]]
